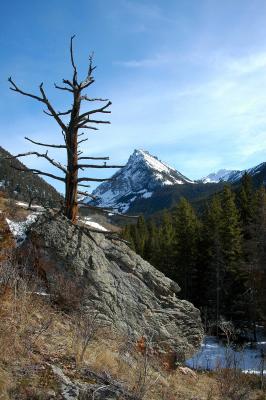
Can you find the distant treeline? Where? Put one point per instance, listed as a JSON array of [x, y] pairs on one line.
[[218, 257]]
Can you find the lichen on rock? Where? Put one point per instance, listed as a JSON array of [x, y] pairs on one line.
[[126, 291]]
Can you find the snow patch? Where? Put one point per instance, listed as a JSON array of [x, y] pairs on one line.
[[25, 205], [147, 195], [19, 229], [93, 224]]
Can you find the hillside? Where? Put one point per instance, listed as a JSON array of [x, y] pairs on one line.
[[24, 186], [55, 347]]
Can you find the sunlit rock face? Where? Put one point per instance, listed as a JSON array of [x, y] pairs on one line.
[[126, 291]]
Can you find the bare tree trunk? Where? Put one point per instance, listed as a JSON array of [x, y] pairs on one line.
[[71, 201]]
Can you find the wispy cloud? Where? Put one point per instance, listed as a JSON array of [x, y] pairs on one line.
[[248, 64], [155, 61]]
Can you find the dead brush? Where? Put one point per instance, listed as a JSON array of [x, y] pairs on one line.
[[23, 314], [86, 325], [233, 385]]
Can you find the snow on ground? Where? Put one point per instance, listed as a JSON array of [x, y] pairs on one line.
[[93, 224], [25, 205], [214, 354], [19, 229]]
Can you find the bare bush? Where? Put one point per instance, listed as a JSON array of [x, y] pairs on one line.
[[233, 385], [86, 325], [22, 313]]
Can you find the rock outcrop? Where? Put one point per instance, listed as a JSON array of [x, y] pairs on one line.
[[125, 290]]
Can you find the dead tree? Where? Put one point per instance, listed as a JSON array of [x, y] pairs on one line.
[[77, 121]]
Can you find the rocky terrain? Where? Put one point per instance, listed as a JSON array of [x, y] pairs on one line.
[[83, 317], [124, 290]]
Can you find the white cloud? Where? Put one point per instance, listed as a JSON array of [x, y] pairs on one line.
[[157, 60]]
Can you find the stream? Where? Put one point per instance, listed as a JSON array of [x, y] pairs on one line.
[[215, 354]]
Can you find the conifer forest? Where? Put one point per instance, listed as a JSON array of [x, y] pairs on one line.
[[216, 253]]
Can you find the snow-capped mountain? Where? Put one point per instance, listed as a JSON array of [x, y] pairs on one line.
[[222, 175], [232, 176], [147, 185], [142, 174]]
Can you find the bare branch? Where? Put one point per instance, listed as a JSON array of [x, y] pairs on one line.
[[97, 110], [88, 81], [85, 97], [58, 146], [91, 68], [101, 209], [35, 153], [58, 113], [87, 127], [67, 82], [37, 172], [94, 158], [93, 180], [83, 140], [99, 166], [92, 121], [63, 88], [42, 99], [16, 89], [88, 195], [107, 211], [87, 186], [51, 109], [72, 61]]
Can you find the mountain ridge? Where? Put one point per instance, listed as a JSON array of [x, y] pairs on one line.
[[139, 178], [146, 184]]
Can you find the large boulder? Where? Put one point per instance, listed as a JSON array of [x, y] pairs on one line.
[[126, 291]]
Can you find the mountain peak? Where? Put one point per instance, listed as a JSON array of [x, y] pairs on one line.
[[141, 176], [223, 175]]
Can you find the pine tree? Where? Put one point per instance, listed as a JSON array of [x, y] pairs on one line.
[[186, 226], [245, 201], [255, 263], [166, 237], [233, 272], [140, 235], [152, 246], [212, 260]]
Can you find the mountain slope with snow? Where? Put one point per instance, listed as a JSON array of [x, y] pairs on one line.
[[221, 175], [233, 176], [141, 176]]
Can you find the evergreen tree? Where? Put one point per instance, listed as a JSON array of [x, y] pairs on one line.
[[212, 260], [245, 202], [186, 226], [152, 246], [233, 274], [166, 236], [255, 263]]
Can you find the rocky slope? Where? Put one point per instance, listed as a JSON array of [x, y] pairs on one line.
[[126, 291]]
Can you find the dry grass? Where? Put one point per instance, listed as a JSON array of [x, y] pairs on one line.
[[28, 341], [35, 331]]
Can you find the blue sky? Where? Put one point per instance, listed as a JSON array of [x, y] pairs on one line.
[[187, 78]]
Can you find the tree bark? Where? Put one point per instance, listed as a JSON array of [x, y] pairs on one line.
[[71, 201]]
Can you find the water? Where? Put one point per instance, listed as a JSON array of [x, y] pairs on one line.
[[215, 354]]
